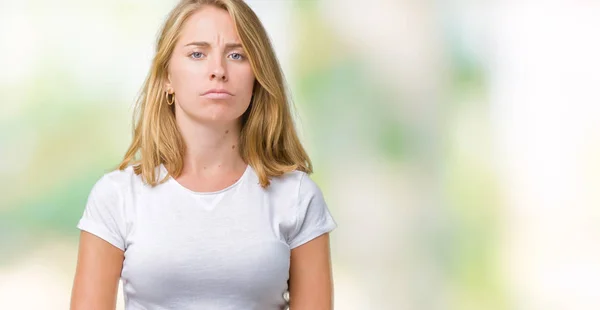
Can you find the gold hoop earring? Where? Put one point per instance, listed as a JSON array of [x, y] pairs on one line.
[[170, 102]]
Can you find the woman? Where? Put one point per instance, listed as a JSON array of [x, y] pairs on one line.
[[212, 206]]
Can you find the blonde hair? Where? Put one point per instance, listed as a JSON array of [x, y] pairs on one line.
[[268, 139]]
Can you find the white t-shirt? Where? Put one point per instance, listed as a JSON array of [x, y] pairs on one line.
[[228, 249]]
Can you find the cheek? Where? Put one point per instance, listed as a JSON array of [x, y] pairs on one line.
[[185, 77], [248, 88], [247, 80]]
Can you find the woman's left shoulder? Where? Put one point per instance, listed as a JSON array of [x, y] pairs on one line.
[[295, 181]]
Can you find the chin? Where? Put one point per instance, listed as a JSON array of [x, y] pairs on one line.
[[217, 117], [215, 114]]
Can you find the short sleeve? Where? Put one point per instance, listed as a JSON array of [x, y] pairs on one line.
[[103, 215], [313, 217]]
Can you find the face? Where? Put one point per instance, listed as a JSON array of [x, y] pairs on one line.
[[209, 73]]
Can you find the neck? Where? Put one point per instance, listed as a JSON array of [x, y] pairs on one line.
[[211, 148]]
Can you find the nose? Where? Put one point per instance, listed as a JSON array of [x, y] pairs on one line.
[[218, 71], [219, 76]]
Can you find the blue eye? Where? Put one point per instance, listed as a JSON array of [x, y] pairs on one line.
[[236, 56], [196, 55]]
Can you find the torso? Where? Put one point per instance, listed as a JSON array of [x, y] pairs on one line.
[[219, 250], [211, 182]]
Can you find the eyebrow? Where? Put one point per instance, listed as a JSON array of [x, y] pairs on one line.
[[228, 46]]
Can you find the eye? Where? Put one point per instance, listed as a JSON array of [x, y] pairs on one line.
[[236, 56], [196, 55]]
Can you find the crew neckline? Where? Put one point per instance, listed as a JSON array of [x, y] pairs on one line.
[[240, 179]]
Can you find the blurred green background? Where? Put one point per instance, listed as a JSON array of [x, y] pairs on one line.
[[456, 142]]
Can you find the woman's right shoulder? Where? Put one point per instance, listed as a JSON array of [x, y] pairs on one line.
[[117, 180]]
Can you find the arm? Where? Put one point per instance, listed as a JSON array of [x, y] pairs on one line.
[[97, 275], [311, 284]]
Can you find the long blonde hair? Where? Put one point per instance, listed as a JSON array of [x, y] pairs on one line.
[[268, 140]]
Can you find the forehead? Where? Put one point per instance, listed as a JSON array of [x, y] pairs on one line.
[[209, 24]]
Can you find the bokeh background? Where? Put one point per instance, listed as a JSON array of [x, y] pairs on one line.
[[457, 142]]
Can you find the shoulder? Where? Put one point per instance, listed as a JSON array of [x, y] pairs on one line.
[[116, 182], [295, 183], [117, 178]]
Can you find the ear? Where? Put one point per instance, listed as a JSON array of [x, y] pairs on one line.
[[168, 85]]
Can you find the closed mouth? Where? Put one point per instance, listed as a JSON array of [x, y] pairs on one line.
[[221, 92]]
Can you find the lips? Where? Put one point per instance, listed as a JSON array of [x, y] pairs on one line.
[[217, 94]]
